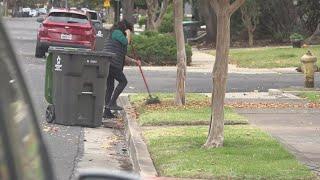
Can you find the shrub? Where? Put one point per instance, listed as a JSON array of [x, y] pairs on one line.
[[142, 21], [157, 49], [296, 37], [168, 21], [280, 37], [150, 33]]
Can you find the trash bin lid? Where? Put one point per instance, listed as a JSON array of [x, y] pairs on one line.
[[79, 51]]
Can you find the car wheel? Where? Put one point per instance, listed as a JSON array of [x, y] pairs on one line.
[[50, 114], [40, 51]]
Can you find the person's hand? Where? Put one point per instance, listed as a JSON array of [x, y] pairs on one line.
[[128, 33], [138, 62]]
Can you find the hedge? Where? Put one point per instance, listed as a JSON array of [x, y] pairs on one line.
[[157, 49]]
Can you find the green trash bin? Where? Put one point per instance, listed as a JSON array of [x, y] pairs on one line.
[[75, 85]]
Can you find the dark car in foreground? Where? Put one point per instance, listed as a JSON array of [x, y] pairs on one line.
[[23, 155], [65, 28]]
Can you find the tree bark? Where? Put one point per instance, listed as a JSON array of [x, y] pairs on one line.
[[151, 11], [250, 36], [210, 19], [315, 37], [250, 18], [128, 10], [154, 20], [223, 11], [181, 53]]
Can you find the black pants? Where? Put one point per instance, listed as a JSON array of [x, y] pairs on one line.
[[111, 93]]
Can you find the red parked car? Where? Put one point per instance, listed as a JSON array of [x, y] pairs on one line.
[[65, 28]]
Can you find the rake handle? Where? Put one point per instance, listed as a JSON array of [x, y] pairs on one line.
[[142, 74], [145, 81]]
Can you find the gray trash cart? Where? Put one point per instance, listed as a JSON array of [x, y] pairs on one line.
[[78, 84], [101, 37]]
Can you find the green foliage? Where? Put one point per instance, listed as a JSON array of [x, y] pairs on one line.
[[142, 21], [278, 20], [150, 33], [296, 37], [167, 25], [280, 36], [311, 96], [157, 49]]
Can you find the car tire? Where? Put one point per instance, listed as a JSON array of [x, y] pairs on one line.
[[50, 113], [40, 51]]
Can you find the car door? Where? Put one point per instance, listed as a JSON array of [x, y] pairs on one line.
[[22, 151]]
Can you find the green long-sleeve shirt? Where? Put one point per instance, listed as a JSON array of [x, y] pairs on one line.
[[119, 36]]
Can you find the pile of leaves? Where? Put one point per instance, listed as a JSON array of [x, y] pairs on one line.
[[269, 105]]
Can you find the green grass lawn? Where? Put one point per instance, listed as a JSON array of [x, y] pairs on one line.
[[248, 153], [196, 112], [311, 96], [269, 57]]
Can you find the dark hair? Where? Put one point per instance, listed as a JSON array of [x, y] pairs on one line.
[[123, 26]]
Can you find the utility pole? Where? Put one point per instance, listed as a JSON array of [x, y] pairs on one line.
[[117, 11], [66, 4]]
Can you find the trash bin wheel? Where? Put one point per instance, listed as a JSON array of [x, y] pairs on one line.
[[50, 115]]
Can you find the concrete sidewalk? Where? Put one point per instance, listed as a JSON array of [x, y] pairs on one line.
[[298, 130]]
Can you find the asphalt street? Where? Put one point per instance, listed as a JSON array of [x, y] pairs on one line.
[[65, 143]]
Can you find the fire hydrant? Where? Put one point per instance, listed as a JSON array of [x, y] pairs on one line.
[[308, 63]]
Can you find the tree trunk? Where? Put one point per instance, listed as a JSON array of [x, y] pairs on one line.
[[209, 17], [181, 53], [128, 10], [223, 10], [151, 11], [315, 38], [220, 72], [154, 18], [250, 36]]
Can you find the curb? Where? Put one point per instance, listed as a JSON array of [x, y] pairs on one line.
[[139, 154]]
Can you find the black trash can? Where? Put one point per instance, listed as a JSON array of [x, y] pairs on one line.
[[101, 36], [190, 29], [78, 86]]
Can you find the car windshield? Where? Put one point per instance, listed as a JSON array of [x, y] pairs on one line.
[[64, 17], [93, 15]]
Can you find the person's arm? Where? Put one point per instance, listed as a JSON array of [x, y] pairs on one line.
[[128, 32], [131, 60]]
